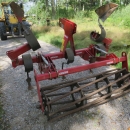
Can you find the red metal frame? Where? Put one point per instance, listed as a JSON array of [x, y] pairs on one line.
[[69, 29], [49, 72]]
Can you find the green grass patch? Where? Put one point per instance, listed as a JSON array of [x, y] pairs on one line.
[[121, 17], [53, 34], [119, 34], [118, 51]]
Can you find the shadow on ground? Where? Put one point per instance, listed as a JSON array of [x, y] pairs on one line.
[[20, 104]]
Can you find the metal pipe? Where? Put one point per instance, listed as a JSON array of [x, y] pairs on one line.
[[44, 59], [101, 50]]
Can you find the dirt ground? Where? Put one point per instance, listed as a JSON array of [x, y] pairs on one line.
[[20, 104]]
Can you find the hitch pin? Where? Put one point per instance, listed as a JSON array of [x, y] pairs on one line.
[[101, 50], [44, 59]]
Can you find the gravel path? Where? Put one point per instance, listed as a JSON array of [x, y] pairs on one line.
[[20, 104]]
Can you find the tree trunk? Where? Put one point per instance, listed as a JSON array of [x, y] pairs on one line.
[[53, 8], [56, 5], [67, 5], [47, 8], [120, 2], [126, 2], [83, 7], [100, 2], [79, 4], [75, 6]]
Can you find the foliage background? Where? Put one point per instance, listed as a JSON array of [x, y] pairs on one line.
[[82, 12]]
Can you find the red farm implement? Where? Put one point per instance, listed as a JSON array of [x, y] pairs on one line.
[[68, 97]]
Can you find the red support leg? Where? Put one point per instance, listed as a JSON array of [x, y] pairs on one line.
[[39, 93], [125, 63]]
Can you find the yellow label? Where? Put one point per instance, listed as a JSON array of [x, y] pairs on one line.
[[62, 46]]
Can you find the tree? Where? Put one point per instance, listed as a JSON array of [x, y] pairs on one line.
[[53, 8], [100, 2]]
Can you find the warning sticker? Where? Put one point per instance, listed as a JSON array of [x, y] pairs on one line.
[[108, 63], [62, 73]]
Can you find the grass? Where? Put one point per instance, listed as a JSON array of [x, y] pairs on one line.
[[115, 26], [121, 17], [54, 34]]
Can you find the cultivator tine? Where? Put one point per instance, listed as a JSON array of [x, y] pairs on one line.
[[106, 10], [29, 82], [31, 39], [17, 11], [77, 96]]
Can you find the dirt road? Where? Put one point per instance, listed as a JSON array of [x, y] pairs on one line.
[[20, 104]]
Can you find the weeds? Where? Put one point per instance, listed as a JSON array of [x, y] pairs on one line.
[[121, 17], [116, 27]]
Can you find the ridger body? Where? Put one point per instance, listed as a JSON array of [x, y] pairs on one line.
[[68, 97]]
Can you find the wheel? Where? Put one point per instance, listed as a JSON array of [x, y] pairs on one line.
[[3, 37], [69, 55], [2, 31], [28, 64]]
